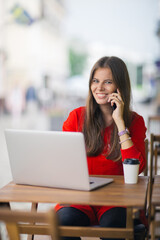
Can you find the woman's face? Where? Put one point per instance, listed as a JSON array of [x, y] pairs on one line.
[[102, 85]]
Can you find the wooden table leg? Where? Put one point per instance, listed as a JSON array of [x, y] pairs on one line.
[[34, 207], [129, 223]]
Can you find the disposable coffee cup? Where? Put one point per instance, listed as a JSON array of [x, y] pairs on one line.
[[131, 170]]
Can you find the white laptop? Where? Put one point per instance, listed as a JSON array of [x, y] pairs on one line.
[[51, 159]]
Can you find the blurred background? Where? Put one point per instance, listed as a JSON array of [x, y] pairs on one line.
[[47, 49]]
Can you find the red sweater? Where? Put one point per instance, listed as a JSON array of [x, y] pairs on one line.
[[99, 165]]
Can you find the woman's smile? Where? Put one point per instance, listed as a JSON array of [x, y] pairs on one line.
[[101, 95]]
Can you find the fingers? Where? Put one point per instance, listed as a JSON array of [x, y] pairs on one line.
[[116, 101], [116, 97]]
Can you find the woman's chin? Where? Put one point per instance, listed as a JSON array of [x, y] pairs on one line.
[[104, 103]]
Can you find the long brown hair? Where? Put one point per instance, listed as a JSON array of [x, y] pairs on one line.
[[94, 124]]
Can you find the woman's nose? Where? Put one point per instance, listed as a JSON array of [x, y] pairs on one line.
[[100, 86]]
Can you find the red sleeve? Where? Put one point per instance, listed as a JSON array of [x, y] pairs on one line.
[[74, 121], [138, 135]]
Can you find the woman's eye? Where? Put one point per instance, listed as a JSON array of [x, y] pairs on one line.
[[108, 82], [94, 80]]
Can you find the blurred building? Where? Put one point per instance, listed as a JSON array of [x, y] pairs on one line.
[[32, 42]]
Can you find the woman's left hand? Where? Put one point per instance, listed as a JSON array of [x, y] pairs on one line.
[[115, 98]]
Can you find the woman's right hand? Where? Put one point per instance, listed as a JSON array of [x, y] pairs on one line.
[[115, 98]]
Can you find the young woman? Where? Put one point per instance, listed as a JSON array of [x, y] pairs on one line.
[[112, 133]]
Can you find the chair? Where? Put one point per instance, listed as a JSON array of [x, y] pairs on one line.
[[154, 124], [21, 222], [146, 155], [154, 151], [154, 128], [154, 142]]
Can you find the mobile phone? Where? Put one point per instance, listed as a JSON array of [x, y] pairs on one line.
[[114, 105]]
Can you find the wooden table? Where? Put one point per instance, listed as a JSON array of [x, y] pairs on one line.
[[115, 194], [155, 203]]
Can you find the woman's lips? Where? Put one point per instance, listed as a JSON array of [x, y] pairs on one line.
[[101, 95]]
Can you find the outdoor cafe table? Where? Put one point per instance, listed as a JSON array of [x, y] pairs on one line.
[[116, 193]]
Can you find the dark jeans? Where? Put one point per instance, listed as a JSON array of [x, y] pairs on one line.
[[68, 216]]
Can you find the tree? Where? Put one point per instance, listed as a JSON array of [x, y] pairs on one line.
[[77, 61]]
